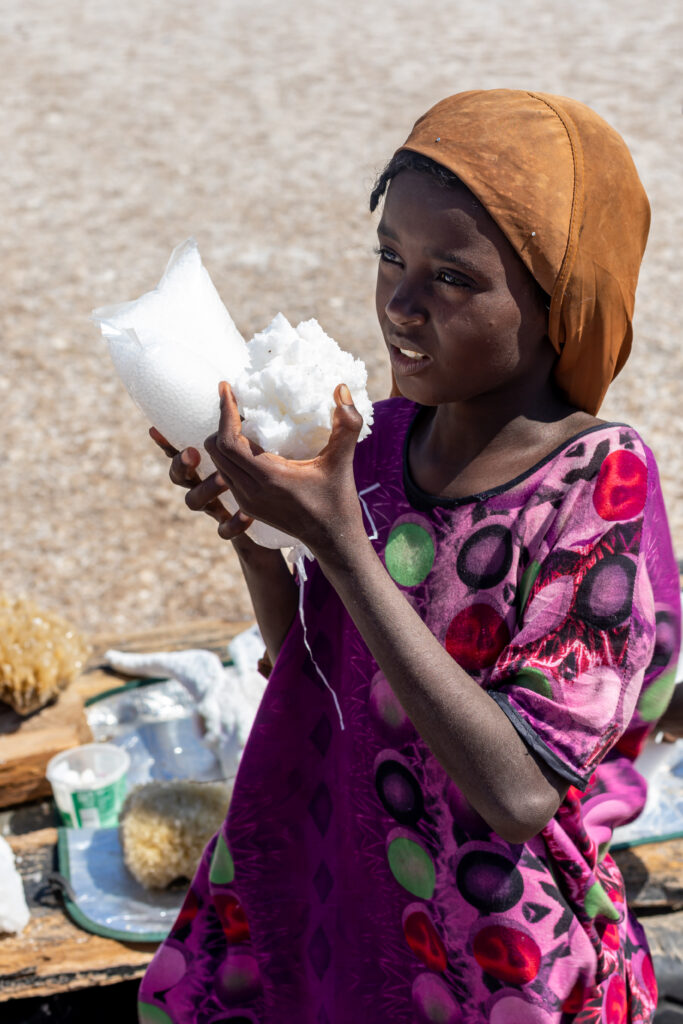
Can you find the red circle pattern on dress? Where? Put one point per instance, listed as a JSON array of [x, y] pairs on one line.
[[507, 953], [648, 974], [621, 487], [424, 941], [187, 913], [232, 917], [616, 1002], [476, 636]]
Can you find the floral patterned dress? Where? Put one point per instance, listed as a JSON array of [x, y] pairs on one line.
[[352, 883]]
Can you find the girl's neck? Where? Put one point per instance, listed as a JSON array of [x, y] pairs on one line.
[[457, 450]]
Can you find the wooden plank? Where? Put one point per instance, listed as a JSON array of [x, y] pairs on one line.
[[53, 955], [27, 744], [653, 874], [207, 634], [665, 936]]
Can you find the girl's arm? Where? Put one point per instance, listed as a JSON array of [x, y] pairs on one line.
[[510, 786], [271, 586], [316, 500], [272, 589]]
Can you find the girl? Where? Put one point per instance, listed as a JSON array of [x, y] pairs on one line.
[[494, 602]]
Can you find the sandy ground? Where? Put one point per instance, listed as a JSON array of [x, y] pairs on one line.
[[258, 128]]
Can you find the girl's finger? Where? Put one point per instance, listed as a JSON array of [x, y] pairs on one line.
[[232, 462], [230, 424], [234, 526], [205, 492], [217, 510], [161, 441], [183, 467]]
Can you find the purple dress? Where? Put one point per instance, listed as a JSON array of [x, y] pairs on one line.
[[352, 883]]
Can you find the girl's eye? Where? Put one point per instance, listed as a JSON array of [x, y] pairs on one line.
[[450, 277], [386, 255]]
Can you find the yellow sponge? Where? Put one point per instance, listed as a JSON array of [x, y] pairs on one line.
[[40, 653], [164, 827]]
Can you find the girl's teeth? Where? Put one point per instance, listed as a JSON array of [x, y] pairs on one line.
[[412, 355]]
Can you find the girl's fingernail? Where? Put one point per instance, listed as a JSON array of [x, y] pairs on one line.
[[345, 395]]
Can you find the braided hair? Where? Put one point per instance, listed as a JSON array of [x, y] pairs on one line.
[[406, 160]]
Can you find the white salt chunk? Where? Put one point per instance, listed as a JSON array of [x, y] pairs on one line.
[[14, 912], [286, 392], [73, 778]]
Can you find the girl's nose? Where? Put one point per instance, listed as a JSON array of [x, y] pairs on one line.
[[404, 307]]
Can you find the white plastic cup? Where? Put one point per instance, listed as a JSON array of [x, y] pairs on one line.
[[655, 756], [89, 784]]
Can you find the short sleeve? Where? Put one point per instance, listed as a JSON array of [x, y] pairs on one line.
[[571, 676]]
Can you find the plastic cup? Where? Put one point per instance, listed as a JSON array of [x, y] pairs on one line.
[[89, 784], [654, 757]]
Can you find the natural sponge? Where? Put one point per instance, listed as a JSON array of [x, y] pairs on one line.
[[164, 827], [40, 653]]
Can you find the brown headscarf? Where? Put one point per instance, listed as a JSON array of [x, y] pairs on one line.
[[561, 185]]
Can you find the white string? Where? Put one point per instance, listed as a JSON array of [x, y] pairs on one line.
[[374, 535], [297, 556], [302, 579]]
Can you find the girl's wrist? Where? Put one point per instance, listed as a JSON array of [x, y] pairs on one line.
[[252, 554], [344, 549]]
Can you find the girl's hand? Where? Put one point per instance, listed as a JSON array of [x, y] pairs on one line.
[[202, 495], [315, 499], [271, 586]]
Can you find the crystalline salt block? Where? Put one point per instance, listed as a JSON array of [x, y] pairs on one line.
[[286, 392], [14, 912]]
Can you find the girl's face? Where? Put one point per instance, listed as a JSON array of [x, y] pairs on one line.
[[461, 315]]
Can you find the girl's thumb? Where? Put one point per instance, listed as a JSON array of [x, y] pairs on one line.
[[346, 420], [343, 395]]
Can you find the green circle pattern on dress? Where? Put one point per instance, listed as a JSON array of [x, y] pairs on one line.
[[526, 583], [534, 679], [409, 554], [412, 867], [150, 1014], [222, 870], [596, 901], [655, 699]]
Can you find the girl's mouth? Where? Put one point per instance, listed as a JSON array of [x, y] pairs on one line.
[[407, 360]]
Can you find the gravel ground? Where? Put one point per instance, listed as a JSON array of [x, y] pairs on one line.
[[258, 128]]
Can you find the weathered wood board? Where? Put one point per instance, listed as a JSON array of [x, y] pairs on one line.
[[27, 744], [653, 874], [53, 954]]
